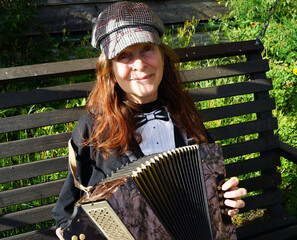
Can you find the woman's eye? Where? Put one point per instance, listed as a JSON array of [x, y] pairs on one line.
[[123, 57], [148, 49]]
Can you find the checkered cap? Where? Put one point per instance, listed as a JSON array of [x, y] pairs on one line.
[[124, 24]]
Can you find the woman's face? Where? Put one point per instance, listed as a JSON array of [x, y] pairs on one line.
[[138, 70]]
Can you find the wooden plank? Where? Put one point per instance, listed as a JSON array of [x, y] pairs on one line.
[[222, 71], [230, 90], [288, 152], [22, 122], [48, 70], [261, 182], [87, 66], [44, 234], [252, 146], [242, 129], [269, 225], [80, 17], [284, 233], [238, 109], [218, 50], [62, 92], [30, 193], [270, 160], [33, 169], [26, 217], [261, 200], [32, 145], [43, 95], [41, 234]]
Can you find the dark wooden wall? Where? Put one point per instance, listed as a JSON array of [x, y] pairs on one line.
[[78, 15]]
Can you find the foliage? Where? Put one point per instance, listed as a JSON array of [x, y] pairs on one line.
[[280, 43], [17, 18], [17, 47]]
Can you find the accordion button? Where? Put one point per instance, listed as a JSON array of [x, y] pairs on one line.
[[74, 237], [82, 236]]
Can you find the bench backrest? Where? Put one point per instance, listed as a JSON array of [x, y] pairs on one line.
[[233, 95]]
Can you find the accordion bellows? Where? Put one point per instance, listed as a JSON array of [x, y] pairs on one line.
[[172, 195]]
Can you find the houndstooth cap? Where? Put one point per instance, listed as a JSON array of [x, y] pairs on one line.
[[124, 24]]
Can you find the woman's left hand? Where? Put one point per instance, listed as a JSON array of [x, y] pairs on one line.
[[232, 195]]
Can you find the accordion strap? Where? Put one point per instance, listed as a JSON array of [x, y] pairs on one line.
[[72, 165]]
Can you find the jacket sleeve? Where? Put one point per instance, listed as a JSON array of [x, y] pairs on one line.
[[69, 193], [65, 204]]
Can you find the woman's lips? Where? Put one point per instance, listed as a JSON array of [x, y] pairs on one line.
[[146, 77]]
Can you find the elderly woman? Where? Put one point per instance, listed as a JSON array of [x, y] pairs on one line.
[[136, 76]]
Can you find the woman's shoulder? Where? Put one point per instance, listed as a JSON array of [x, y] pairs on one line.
[[83, 127], [86, 119]]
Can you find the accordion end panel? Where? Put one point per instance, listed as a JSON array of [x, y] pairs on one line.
[[123, 215], [214, 174]]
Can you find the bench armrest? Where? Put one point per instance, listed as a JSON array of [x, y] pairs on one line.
[[288, 152]]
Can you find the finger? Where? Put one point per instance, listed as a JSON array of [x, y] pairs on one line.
[[232, 182], [234, 203], [59, 233], [239, 192], [233, 212]]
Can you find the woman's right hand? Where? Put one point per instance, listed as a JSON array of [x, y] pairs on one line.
[[59, 233]]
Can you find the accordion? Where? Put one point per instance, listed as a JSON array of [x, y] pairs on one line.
[[171, 195]]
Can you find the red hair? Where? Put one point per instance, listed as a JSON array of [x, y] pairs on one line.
[[114, 128]]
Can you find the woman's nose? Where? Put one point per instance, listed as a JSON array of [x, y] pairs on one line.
[[138, 64]]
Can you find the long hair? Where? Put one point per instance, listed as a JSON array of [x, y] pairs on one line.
[[114, 128]]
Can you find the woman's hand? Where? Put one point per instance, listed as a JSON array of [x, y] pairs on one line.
[[232, 195], [59, 233]]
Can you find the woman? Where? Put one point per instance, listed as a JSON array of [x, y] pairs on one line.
[[136, 81]]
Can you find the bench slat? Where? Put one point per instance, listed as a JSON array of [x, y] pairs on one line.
[[234, 110], [261, 182], [26, 217], [272, 224], [229, 90], [22, 122], [278, 232], [242, 129], [33, 169], [219, 50], [44, 234], [49, 189], [31, 193], [86, 66], [252, 146], [53, 188], [44, 143], [223, 71], [79, 90], [44, 95], [32, 145], [270, 160], [39, 144], [48, 70], [261, 201]]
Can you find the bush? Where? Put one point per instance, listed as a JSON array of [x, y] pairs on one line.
[[17, 18]]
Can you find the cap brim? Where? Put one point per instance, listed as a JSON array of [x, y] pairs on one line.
[[119, 40]]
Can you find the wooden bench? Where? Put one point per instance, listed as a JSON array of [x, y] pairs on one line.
[[261, 154]]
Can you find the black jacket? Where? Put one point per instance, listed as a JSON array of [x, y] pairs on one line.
[[89, 170]]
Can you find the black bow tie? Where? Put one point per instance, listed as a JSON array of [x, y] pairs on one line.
[[160, 114]]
